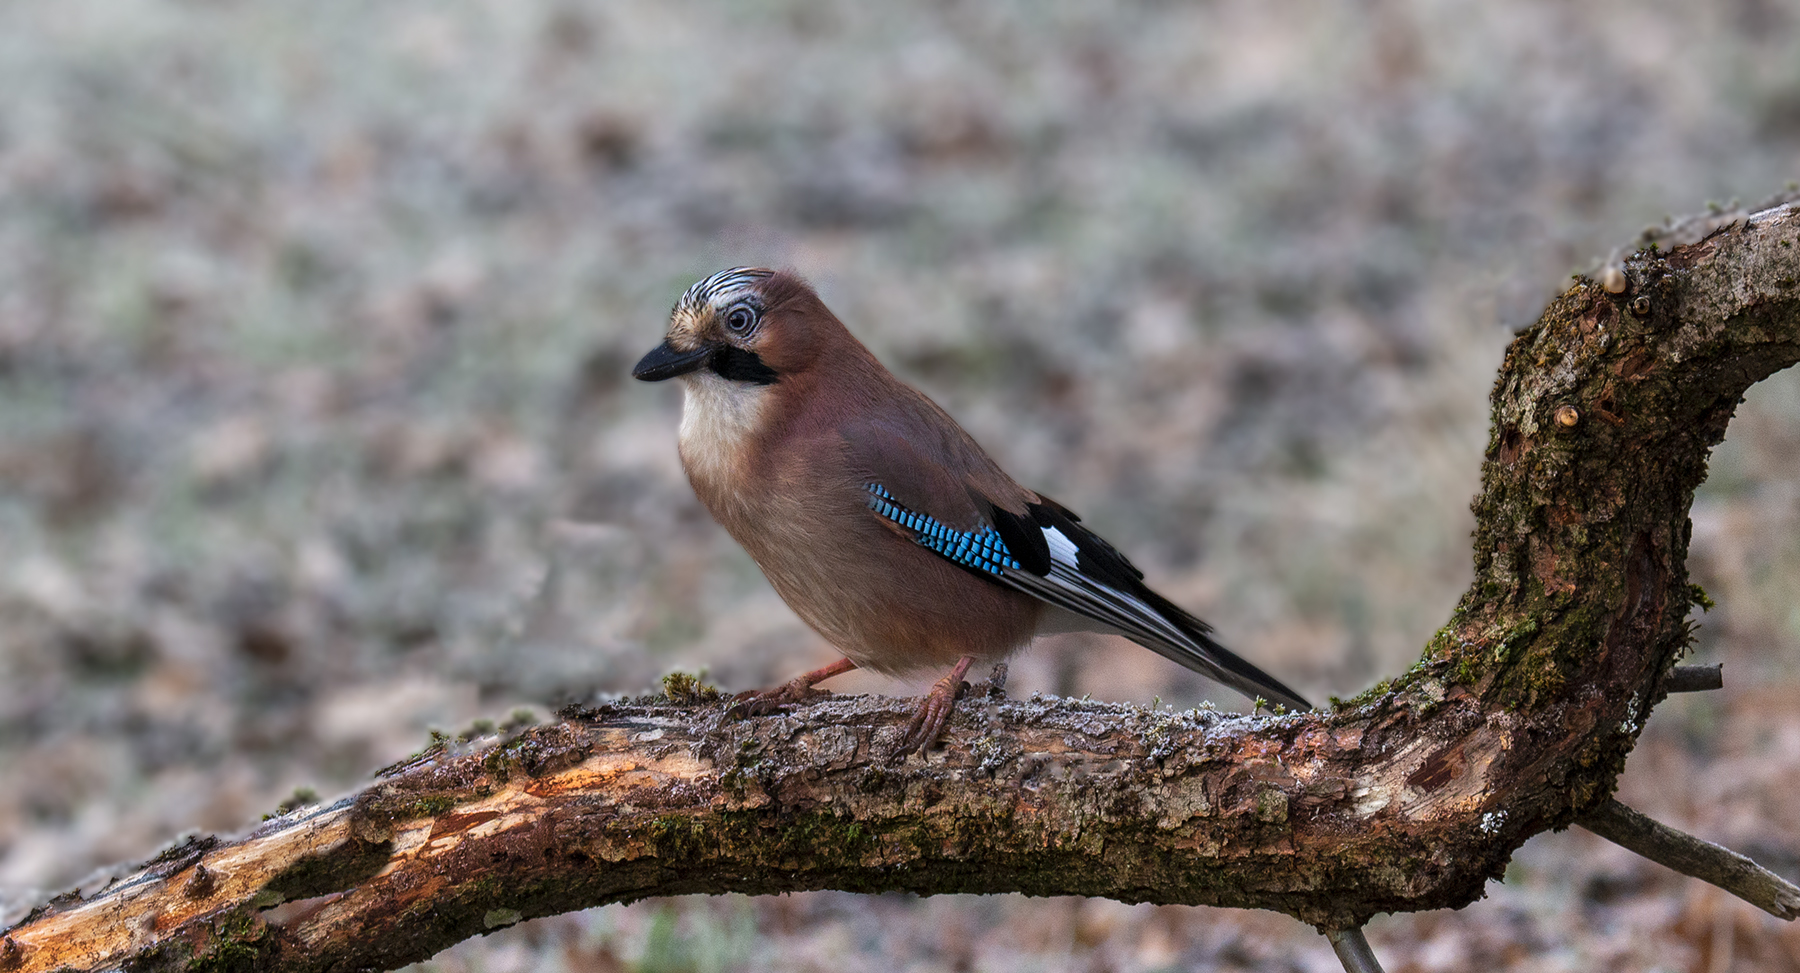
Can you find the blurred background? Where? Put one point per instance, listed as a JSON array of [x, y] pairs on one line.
[[316, 431]]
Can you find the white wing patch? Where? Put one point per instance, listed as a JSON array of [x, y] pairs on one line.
[[1062, 550]]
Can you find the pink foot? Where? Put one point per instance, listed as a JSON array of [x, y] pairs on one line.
[[929, 722], [798, 690]]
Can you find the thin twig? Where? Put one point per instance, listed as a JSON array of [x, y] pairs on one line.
[[1701, 859], [1696, 679], [1352, 949]]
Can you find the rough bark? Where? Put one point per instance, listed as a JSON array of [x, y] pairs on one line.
[[1517, 719]]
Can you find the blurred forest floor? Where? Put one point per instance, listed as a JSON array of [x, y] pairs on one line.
[[316, 431]]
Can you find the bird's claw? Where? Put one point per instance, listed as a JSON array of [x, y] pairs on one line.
[[933, 715], [763, 702]]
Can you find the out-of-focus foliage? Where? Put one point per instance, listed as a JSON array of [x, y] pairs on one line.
[[315, 428]]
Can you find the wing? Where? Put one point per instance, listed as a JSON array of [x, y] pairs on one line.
[[1041, 549], [1074, 568]]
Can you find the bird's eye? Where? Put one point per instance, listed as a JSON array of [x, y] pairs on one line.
[[741, 318]]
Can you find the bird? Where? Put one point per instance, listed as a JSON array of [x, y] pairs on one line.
[[878, 519]]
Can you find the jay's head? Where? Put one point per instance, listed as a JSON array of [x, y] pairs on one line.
[[744, 325]]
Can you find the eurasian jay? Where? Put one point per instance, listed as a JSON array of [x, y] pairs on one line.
[[877, 518]]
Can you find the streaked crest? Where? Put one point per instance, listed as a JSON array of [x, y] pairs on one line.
[[713, 290]]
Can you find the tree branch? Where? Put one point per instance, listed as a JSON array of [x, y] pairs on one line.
[[1695, 679], [1517, 719], [1701, 859], [1352, 949]]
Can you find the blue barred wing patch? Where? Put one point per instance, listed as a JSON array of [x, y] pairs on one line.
[[981, 549]]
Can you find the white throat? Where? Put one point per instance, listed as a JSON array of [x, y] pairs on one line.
[[719, 419]]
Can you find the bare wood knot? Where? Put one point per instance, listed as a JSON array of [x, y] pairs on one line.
[[201, 884]]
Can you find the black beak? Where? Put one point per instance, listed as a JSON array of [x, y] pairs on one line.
[[665, 362]]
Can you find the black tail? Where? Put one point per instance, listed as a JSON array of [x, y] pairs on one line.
[[1211, 659]]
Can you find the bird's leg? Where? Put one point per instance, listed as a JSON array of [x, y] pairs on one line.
[[928, 723], [765, 701]]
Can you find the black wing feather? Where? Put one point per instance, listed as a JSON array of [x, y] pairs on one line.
[[1023, 538], [1273, 689], [1098, 567], [1100, 584]]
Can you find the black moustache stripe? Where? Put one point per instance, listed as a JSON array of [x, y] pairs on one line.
[[736, 364]]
